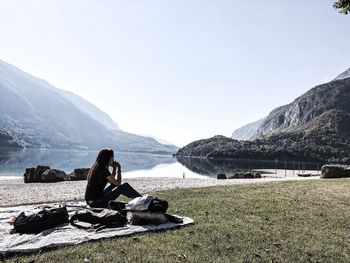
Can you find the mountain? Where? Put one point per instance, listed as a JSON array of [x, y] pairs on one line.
[[247, 131], [130, 142], [344, 75], [315, 127], [160, 140], [90, 109], [328, 96], [304, 110], [42, 116], [6, 140]]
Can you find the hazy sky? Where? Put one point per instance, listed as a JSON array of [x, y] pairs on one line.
[[179, 70]]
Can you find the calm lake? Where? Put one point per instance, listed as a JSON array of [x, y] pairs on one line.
[[13, 164]]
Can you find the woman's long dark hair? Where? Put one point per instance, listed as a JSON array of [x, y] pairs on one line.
[[102, 159]]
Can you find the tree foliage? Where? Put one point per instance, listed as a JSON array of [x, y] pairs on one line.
[[343, 6]]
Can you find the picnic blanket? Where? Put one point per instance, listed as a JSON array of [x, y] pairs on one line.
[[12, 242]]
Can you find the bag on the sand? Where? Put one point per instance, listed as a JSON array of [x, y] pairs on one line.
[[42, 220], [97, 219]]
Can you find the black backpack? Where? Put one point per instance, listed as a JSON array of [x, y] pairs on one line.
[[97, 219], [161, 206], [42, 220], [158, 205]]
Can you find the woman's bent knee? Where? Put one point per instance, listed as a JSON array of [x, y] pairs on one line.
[[126, 184]]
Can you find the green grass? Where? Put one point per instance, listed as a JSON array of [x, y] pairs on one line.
[[303, 221]]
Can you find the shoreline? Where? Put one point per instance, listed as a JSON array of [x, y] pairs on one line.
[[128, 175], [15, 192]]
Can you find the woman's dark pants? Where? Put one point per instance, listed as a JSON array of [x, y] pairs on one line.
[[112, 192]]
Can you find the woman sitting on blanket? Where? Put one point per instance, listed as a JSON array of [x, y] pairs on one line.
[[96, 195]]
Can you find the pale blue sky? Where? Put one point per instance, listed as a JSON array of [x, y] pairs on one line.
[[179, 70]]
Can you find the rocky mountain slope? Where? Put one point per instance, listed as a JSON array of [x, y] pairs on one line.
[[315, 126], [344, 75], [248, 131], [6, 140], [330, 97], [89, 109], [318, 100], [42, 116]]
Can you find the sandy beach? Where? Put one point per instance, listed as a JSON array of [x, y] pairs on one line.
[[15, 191]]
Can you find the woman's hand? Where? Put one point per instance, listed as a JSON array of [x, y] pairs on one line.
[[115, 165]]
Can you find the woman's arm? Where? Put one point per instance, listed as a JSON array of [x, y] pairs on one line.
[[111, 179]]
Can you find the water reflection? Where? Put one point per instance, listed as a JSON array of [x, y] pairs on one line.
[[15, 162], [212, 167]]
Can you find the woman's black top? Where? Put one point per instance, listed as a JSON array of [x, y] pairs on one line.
[[97, 183]]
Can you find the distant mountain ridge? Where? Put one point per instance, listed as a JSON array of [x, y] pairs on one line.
[[315, 126], [42, 116], [160, 140], [90, 109], [247, 131], [344, 75], [310, 105]]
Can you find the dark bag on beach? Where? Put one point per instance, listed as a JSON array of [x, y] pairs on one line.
[[147, 203], [42, 220], [118, 206], [97, 219], [158, 205], [149, 210]]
